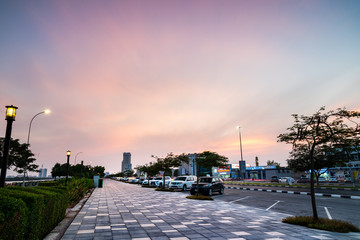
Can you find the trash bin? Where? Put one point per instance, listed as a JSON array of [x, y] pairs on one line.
[[101, 180], [96, 181]]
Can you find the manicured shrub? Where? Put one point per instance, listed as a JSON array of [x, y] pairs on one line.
[[32, 212], [322, 223], [13, 218], [77, 188], [35, 208], [55, 207]]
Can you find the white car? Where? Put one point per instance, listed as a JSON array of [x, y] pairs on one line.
[[182, 182], [333, 179], [158, 181], [287, 180]]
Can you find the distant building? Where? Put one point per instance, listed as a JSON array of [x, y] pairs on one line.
[[126, 163], [189, 168], [42, 173]]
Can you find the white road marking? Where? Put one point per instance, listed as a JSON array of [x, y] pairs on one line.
[[239, 199], [327, 213], [272, 206]]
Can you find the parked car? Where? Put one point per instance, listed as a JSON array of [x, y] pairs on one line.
[[304, 180], [182, 182], [347, 179], [274, 179], [208, 185], [141, 180], [135, 180], [287, 180], [158, 181], [322, 179], [146, 181], [333, 179]]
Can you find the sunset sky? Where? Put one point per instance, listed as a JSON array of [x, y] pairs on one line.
[[153, 77]]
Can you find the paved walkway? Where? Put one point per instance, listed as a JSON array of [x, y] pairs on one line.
[[125, 211]]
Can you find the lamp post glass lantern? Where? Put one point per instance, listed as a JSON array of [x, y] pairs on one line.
[[10, 117], [10, 112]]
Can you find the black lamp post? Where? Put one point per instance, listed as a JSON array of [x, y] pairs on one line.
[[68, 153], [10, 117]]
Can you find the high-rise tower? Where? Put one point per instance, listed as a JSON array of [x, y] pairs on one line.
[[126, 163]]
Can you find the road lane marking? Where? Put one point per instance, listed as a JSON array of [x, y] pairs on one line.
[[239, 199], [328, 213], [272, 206]]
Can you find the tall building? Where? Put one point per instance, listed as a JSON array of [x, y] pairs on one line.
[[126, 163], [42, 173], [189, 168]]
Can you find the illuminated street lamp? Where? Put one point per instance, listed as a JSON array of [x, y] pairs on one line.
[[68, 153], [47, 111], [10, 117]]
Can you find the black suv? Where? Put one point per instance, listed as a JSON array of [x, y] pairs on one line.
[[208, 185]]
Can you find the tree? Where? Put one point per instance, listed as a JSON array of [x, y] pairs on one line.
[[58, 170], [151, 169], [20, 156], [324, 158], [208, 160], [99, 170], [86, 171], [171, 161], [323, 136], [273, 163], [128, 173]]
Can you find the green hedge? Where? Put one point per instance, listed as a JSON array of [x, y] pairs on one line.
[[32, 212], [54, 208], [34, 209], [13, 218]]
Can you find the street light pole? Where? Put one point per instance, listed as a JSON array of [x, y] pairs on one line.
[[68, 153], [76, 156], [240, 144], [28, 139], [242, 171], [10, 117], [46, 112]]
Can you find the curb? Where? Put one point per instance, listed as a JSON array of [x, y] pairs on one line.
[[287, 186], [300, 193], [71, 213]]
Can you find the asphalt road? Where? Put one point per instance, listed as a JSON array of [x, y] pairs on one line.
[[327, 207], [335, 208]]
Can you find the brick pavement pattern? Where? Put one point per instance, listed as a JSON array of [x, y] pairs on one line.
[[126, 211]]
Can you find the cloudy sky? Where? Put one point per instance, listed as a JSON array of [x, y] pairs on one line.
[[153, 77]]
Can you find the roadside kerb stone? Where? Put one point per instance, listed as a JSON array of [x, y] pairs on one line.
[[296, 192]]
